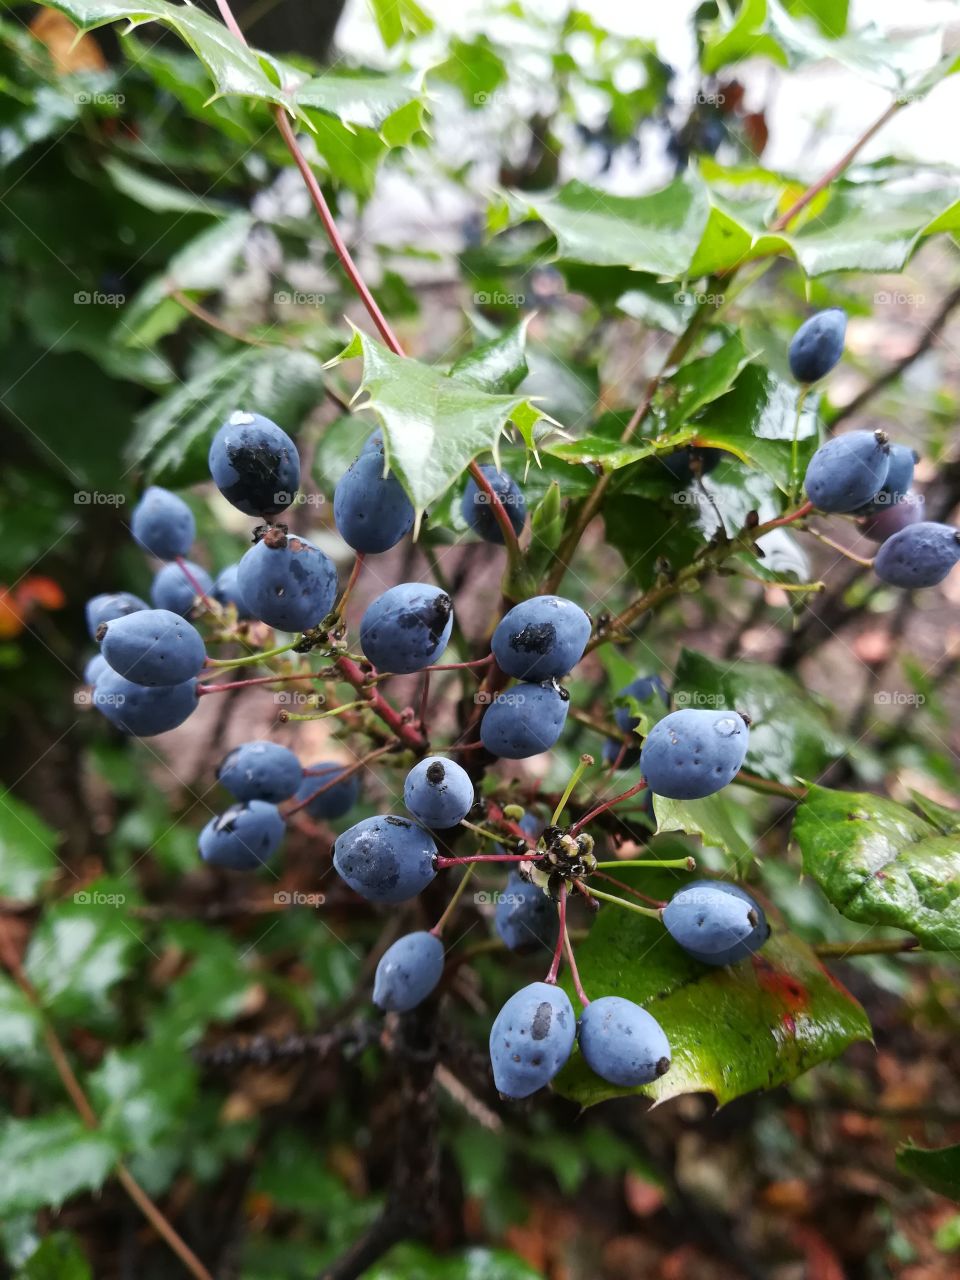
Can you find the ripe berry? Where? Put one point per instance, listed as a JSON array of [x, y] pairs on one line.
[[525, 917], [541, 638], [226, 590], [407, 628], [525, 720], [622, 1043], [883, 524], [140, 710], [260, 771], [255, 464], [690, 754], [848, 471], [477, 508], [531, 1039], [372, 511], [110, 605], [338, 799], [715, 922], [408, 972], [172, 589], [439, 793], [244, 837], [818, 345], [692, 460], [898, 481], [643, 688], [385, 859], [163, 524], [94, 668], [287, 582], [919, 556], [153, 647]]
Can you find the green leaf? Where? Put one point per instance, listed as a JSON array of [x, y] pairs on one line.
[[20, 1023], [28, 856], [157, 196], [752, 1025], [947, 821], [408, 1261], [80, 949], [172, 438], [434, 424], [398, 18], [719, 820], [475, 68], [701, 381], [546, 531], [141, 1094], [59, 1257], [937, 1168], [46, 1159], [879, 863], [499, 365], [790, 735]]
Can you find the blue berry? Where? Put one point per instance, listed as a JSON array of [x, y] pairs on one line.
[[385, 859], [818, 345], [140, 710], [153, 646], [643, 689], [531, 1039], [524, 915], [163, 524], [244, 837], [260, 771], [883, 524], [373, 442], [94, 668], [898, 481], [623, 1043], [439, 793], [919, 556], [690, 754], [715, 922], [692, 460], [848, 471], [255, 464], [541, 638], [408, 972], [287, 582], [372, 511], [110, 605], [524, 721], [226, 590], [477, 508], [173, 590], [407, 628], [338, 799]]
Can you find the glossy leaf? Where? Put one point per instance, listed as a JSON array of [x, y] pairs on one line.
[[499, 365], [46, 1159], [28, 857], [434, 424], [172, 437], [753, 1025], [699, 382], [879, 863], [937, 1168], [398, 18], [719, 820], [20, 1023], [790, 734]]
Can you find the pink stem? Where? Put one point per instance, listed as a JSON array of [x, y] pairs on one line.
[[574, 971], [208, 604], [561, 932], [607, 804], [441, 862]]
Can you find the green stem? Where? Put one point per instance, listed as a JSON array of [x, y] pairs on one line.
[[679, 864], [795, 447], [451, 906], [579, 771], [225, 664], [629, 906]]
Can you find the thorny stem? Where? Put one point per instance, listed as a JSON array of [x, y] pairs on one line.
[[561, 934], [451, 906], [583, 765], [607, 804]]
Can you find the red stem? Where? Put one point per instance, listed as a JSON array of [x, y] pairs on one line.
[[337, 778], [561, 932], [574, 971], [441, 862], [787, 519], [607, 804], [210, 605], [409, 733], [622, 884], [246, 684]]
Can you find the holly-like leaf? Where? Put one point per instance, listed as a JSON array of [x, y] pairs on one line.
[[790, 734], [499, 365], [699, 382], [434, 423], [46, 1159], [752, 1025], [937, 1168], [879, 863], [398, 18], [28, 856], [719, 821], [173, 436]]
